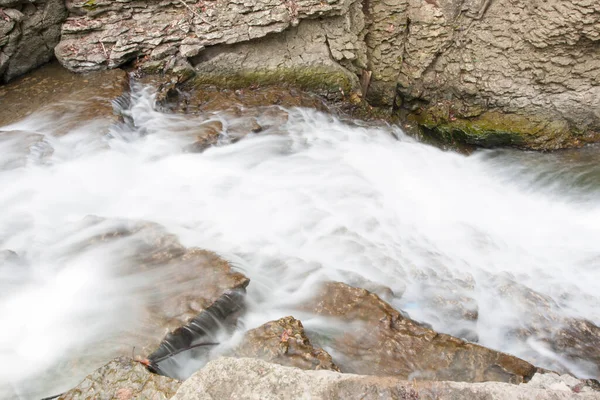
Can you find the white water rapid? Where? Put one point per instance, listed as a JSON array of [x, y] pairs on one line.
[[325, 200]]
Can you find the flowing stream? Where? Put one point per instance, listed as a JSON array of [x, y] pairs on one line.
[[323, 199]]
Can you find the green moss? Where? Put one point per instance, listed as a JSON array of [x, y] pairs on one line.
[[310, 79], [493, 128], [90, 5]]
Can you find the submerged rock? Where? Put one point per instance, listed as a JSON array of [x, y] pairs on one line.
[[21, 147], [579, 341], [284, 342], [246, 378], [70, 99], [123, 379], [385, 342]]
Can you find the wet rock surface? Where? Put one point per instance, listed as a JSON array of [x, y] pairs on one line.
[[72, 99], [123, 379], [284, 342], [251, 378], [191, 279], [384, 342], [225, 116]]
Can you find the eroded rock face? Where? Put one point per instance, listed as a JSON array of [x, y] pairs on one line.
[[284, 342], [229, 378], [29, 31], [123, 379], [384, 342], [502, 72]]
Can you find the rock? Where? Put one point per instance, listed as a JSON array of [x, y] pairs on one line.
[[384, 342], [191, 279], [20, 148], [498, 72], [298, 57], [29, 31], [246, 378], [52, 89], [484, 72], [123, 379], [247, 111], [578, 340], [206, 135], [284, 342], [194, 97], [200, 332]]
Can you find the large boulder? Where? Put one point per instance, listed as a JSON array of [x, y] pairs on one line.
[[383, 341], [246, 378], [29, 31]]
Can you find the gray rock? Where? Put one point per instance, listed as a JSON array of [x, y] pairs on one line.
[[29, 31], [245, 378]]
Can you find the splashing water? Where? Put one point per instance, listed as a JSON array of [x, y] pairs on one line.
[[321, 200]]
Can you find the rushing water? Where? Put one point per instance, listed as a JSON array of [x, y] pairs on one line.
[[321, 200]]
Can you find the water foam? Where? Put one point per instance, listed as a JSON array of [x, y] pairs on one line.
[[327, 200]]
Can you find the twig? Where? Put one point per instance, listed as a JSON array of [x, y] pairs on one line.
[[195, 12], [104, 48]]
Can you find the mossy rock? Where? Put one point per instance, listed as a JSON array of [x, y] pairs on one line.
[[318, 80], [496, 128]]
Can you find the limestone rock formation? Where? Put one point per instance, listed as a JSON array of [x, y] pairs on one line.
[[284, 342], [29, 31], [102, 34], [487, 72], [384, 342], [229, 378]]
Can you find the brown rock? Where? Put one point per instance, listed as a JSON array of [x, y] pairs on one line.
[[206, 135], [190, 281], [284, 342], [54, 90], [390, 344], [123, 379]]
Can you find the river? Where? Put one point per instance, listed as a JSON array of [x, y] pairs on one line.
[[320, 199]]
